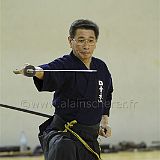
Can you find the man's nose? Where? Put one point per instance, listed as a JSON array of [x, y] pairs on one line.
[[86, 45]]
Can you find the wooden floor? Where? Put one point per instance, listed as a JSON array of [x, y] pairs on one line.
[[152, 155]]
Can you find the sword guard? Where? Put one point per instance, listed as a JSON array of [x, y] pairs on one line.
[[28, 71]]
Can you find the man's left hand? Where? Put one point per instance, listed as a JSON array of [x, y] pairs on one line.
[[104, 129]]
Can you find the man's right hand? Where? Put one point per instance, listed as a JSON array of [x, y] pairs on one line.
[[31, 71]]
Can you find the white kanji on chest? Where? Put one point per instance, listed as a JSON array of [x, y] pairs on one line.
[[100, 97]]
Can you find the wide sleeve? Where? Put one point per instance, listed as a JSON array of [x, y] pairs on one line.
[[51, 80], [108, 90], [108, 98]]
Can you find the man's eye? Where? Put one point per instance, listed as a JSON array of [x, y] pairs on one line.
[[81, 40], [91, 40]]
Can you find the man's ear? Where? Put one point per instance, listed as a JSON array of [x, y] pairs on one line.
[[70, 41]]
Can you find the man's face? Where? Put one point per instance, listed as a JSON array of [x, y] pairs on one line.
[[83, 44]]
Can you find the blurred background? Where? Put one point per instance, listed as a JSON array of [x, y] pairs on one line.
[[36, 32]]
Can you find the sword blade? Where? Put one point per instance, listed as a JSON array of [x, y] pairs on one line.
[[30, 70], [25, 110]]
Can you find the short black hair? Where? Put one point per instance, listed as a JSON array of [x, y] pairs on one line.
[[83, 24]]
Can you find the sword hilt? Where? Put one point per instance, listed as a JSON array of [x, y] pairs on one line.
[[28, 71], [17, 71]]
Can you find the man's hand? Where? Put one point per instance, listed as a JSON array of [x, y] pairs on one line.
[[30, 71], [104, 130], [26, 70]]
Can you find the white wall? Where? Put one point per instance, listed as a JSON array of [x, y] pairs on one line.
[[35, 31]]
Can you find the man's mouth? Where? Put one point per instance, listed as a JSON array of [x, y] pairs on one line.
[[85, 53]]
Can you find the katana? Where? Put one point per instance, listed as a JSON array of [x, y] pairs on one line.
[[25, 110], [30, 71]]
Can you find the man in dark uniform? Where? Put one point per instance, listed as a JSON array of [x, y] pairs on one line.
[[82, 100]]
